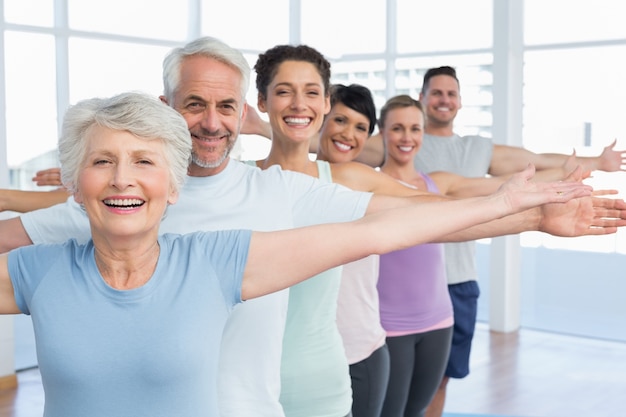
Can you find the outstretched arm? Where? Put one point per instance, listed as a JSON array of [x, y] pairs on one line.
[[458, 186], [254, 125], [23, 201], [373, 153], [601, 216], [278, 260], [509, 159], [13, 235]]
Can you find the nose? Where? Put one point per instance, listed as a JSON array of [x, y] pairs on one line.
[[210, 119], [297, 101], [122, 176], [348, 132]]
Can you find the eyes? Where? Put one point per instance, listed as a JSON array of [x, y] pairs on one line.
[[197, 107], [285, 92], [343, 121], [439, 93], [106, 161], [400, 129]]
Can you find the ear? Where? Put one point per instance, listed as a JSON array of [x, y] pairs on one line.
[[327, 104], [164, 100], [78, 197], [260, 103], [244, 110], [173, 198]]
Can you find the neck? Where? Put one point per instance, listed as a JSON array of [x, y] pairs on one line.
[[403, 171], [435, 129], [290, 156], [129, 266]]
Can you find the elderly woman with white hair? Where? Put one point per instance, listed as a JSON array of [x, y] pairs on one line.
[[130, 323]]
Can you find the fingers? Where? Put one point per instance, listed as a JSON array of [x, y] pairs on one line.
[[527, 174], [563, 188], [596, 231], [604, 192], [609, 215], [51, 176], [616, 204]]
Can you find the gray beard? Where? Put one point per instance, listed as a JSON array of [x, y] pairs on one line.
[[210, 164]]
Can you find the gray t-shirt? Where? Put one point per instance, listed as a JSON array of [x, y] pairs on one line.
[[469, 156]]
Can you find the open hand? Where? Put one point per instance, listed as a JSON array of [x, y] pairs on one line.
[[611, 160], [523, 193]]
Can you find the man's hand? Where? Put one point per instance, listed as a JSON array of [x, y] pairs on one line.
[[592, 215], [611, 160], [584, 216]]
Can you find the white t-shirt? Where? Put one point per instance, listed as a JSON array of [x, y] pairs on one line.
[[241, 196]]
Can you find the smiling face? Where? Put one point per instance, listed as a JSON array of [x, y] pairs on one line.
[[343, 134], [441, 100], [402, 132], [209, 98], [296, 102], [124, 184]]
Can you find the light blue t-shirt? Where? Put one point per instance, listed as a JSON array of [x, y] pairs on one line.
[[239, 197], [149, 351]]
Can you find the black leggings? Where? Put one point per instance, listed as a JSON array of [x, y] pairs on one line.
[[418, 362], [369, 383]]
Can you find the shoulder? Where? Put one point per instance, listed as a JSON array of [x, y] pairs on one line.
[[354, 175], [478, 140]]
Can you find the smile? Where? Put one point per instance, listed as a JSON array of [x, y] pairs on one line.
[[124, 202]]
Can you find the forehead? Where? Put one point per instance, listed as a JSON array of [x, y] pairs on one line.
[[407, 115], [209, 78], [340, 108], [100, 139], [443, 83], [296, 72]]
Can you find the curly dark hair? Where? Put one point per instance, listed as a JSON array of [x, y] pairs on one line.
[[267, 65]]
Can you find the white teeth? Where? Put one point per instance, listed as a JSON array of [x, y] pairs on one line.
[[123, 202], [405, 148], [297, 120], [342, 146], [209, 139], [443, 108]]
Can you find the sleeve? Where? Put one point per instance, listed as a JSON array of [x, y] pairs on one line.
[[27, 267], [228, 252], [57, 224]]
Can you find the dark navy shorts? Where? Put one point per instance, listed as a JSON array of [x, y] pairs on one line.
[[465, 305]]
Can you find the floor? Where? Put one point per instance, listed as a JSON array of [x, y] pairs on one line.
[[526, 373]]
